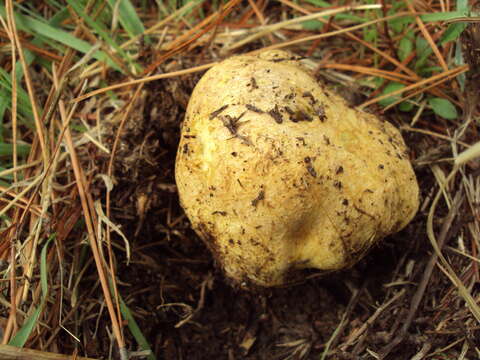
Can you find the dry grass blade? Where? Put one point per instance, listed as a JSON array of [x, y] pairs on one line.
[[434, 134], [427, 36], [31, 92], [191, 5], [27, 45], [21, 203], [468, 155], [425, 279], [18, 168], [108, 200], [463, 291], [10, 28], [367, 44], [10, 352], [89, 220], [389, 75], [430, 88], [357, 333], [347, 31], [442, 76], [21, 195], [274, 27], [145, 80], [191, 36]]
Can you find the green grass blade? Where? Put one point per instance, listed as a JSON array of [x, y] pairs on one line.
[[462, 6], [453, 32], [135, 330], [442, 16], [4, 104], [44, 267], [61, 15], [100, 30], [128, 17], [7, 149], [36, 27], [24, 105], [23, 334], [319, 3]]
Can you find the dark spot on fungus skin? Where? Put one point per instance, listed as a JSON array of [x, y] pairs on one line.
[[308, 94], [185, 148], [254, 108], [231, 242], [345, 202], [310, 168], [275, 114], [217, 112], [302, 140], [326, 139], [320, 112], [337, 184], [361, 211], [289, 111], [232, 124], [234, 153], [189, 136], [301, 116], [253, 83], [381, 167], [339, 170], [260, 196], [223, 213], [288, 59]]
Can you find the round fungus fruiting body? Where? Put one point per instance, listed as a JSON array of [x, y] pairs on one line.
[[277, 173]]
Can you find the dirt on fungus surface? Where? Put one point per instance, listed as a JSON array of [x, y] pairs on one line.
[[186, 308]]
